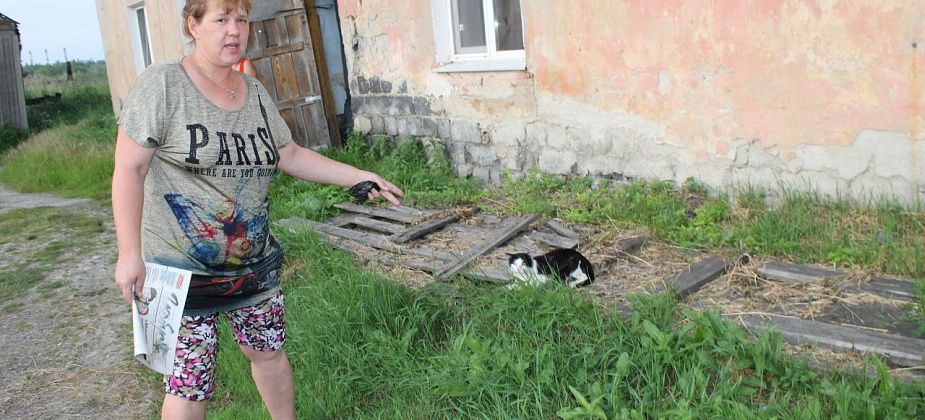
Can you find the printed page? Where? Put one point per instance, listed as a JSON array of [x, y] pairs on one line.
[[156, 316]]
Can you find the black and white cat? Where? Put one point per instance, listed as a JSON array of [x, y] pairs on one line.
[[565, 264]]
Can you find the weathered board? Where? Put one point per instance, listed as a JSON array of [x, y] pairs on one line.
[[631, 245], [414, 232], [377, 225], [901, 351], [553, 240], [385, 213], [559, 228], [284, 47], [698, 275], [794, 273], [514, 227], [891, 288]]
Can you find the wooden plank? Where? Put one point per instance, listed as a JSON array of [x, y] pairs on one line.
[[261, 35], [386, 213], [252, 41], [283, 49], [631, 245], [425, 264], [343, 220], [266, 9], [416, 231], [370, 239], [553, 240], [377, 225], [297, 129], [793, 273], [513, 228], [493, 275], [899, 350], [293, 103], [282, 30], [910, 376], [411, 211], [303, 61], [559, 228], [296, 24], [891, 288], [272, 30], [284, 70], [698, 275], [264, 67], [314, 115]]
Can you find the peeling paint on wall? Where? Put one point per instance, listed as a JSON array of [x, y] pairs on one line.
[[673, 88]]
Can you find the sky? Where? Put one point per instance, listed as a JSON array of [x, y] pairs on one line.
[[55, 25]]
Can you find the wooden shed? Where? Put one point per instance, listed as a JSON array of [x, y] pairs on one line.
[[12, 95]]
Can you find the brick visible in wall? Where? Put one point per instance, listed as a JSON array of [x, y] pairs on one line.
[[444, 129], [391, 126], [409, 126], [382, 105], [386, 86], [362, 85], [465, 131], [374, 85], [481, 156], [422, 106], [377, 123], [431, 128]]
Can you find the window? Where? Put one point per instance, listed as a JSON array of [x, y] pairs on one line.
[[141, 38], [478, 35]]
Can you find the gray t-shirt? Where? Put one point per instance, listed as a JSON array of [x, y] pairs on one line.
[[205, 202]]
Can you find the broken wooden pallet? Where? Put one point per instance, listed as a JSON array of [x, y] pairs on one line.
[[373, 230], [513, 227]]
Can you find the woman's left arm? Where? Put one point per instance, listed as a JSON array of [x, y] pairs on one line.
[[311, 166]]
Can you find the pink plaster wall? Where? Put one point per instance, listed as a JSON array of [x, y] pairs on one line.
[[785, 72]]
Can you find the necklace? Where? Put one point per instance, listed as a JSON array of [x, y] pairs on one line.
[[231, 92]]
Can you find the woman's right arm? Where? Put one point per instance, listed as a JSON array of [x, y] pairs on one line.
[[131, 166]]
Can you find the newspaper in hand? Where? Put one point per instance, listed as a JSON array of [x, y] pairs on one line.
[[156, 315]]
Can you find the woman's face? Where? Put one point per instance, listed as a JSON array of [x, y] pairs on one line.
[[221, 35]]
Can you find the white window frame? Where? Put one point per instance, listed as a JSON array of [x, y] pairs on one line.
[[137, 48], [492, 60]]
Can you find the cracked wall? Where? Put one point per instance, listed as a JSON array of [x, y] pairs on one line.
[[825, 95]]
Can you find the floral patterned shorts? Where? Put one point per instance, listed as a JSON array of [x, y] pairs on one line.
[[261, 327]]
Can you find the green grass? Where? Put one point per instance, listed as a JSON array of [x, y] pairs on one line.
[[70, 160], [363, 346], [68, 147], [33, 254], [420, 169], [87, 98], [805, 227]]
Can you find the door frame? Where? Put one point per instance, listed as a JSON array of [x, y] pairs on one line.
[[266, 8]]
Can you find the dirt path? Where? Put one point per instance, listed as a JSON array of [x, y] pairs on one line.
[[66, 350]]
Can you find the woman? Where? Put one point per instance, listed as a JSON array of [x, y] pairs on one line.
[[197, 148]]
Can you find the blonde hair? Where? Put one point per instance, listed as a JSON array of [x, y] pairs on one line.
[[198, 8]]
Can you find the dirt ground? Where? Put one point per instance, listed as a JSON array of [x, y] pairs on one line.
[[66, 352]]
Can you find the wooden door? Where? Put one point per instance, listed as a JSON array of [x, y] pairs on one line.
[[289, 60]]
